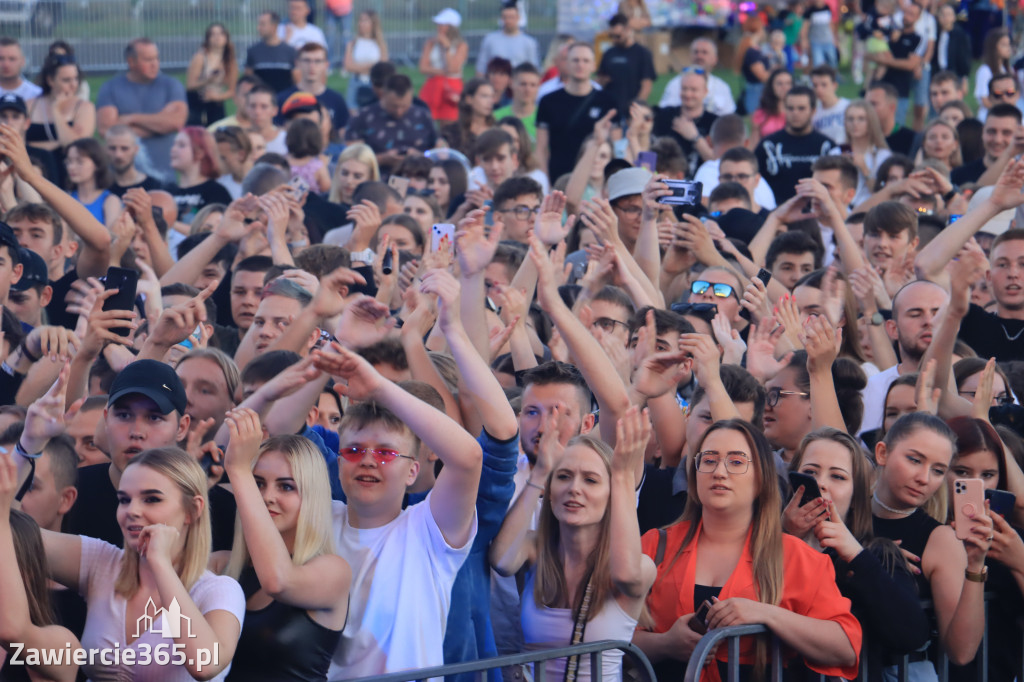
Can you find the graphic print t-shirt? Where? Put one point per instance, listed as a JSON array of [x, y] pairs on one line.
[[785, 159]]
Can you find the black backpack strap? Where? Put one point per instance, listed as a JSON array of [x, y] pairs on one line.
[[659, 554]]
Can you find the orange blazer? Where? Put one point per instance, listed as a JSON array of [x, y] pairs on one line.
[[809, 588]]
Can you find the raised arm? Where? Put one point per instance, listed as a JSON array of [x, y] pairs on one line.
[[475, 250], [322, 583], [822, 344], [453, 499], [580, 175], [593, 362], [95, 254], [632, 572]]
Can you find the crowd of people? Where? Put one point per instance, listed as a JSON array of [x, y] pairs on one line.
[[349, 383]]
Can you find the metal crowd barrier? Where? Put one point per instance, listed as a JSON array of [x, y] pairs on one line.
[[709, 643], [594, 650]]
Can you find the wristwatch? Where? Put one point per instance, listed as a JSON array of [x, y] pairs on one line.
[[364, 256], [979, 577], [877, 320]]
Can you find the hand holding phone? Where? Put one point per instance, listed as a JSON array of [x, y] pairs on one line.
[[438, 232], [810, 484], [126, 282], [968, 501], [699, 621]]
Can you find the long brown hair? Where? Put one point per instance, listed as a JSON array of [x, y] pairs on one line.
[[28, 548], [549, 586], [990, 52]]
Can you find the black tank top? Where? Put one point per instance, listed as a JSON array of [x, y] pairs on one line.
[[280, 642], [914, 531]]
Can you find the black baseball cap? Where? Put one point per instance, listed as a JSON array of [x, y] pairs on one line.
[[12, 101], [7, 238], [34, 271], [153, 379]]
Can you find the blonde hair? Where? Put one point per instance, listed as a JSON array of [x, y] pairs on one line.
[[549, 586], [232, 377], [184, 471], [875, 133], [359, 152], [955, 159], [376, 34], [314, 533]]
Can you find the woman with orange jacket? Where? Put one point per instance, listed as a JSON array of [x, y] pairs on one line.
[[729, 550]]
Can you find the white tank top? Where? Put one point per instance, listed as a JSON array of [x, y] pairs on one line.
[[546, 628]]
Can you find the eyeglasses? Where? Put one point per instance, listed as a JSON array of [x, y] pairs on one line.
[[735, 462], [705, 311], [380, 455], [700, 287], [734, 177], [1008, 93], [522, 212], [775, 394], [607, 324], [1001, 399], [629, 210]]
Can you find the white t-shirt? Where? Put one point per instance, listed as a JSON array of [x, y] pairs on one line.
[[719, 100], [300, 36], [708, 175], [402, 577], [982, 77], [105, 617], [27, 90], [234, 187], [830, 122], [277, 145], [874, 398]]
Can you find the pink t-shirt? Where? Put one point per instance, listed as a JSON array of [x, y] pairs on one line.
[[768, 124]]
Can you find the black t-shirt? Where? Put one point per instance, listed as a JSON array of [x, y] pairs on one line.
[[322, 216], [992, 336], [901, 140], [334, 102], [658, 505], [272, 64], [785, 159], [663, 119], [191, 199], [626, 67], [569, 119], [750, 57], [902, 79], [149, 184], [46, 160], [969, 172], [56, 310], [95, 512]]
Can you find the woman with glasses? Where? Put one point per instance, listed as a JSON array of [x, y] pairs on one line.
[[60, 115], [967, 374], [296, 586], [729, 552], [586, 575], [211, 77]]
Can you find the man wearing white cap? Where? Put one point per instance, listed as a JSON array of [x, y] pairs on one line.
[[509, 43]]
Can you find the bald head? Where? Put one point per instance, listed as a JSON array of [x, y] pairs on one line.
[[917, 295]]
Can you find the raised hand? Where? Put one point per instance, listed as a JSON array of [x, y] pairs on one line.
[[926, 392], [442, 284], [366, 217], [822, 342], [832, 533], [983, 395], [475, 249], [334, 288], [419, 313], [12, 146], [45, 417], [547, 283], [603, 127], [8, 482], [799, 520], [598, 216], [761, 344], [179, 321], [245, 435], [361, 380], [660, 373], [755, 299], [789, 317], [364, 322], [58, 343], [549, 450], [632, 433], [706, 363], [101, 323], [548, 225], [654, 190], [869, 290], [1007, 191], [290, 379], [733, 345]]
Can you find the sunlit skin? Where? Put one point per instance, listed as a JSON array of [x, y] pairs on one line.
[[829, 463], [372, 487], [788, 268], [351, 174], [499, 165], [134, 423], [940, 143], [276, 484], [1006, 276], [970, 386], [274, 314], [206, 389], [580, 487], [145, 497], [902, 400], [883, 249], [538, 401], [727, 305], [699, 420], [44, 501], [614, 317], [246, 289], [517, 229], [917, 309], [786, 423], [914, 469]]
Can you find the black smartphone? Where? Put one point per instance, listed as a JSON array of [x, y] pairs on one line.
[[125, 281], [764, 276], [699, 622], [809, 207], [684, 193], [1000, 501], [810, 484], [1008, 415]]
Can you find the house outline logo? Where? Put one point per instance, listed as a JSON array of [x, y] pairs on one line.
[[165, 622]]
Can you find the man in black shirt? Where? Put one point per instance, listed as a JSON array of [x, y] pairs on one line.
[[786, 157], [905, 55], [627, 68], [313, 72], [565, 117], [884, 99], [271, 59], [689, 124], [123, 148], [997, 136]]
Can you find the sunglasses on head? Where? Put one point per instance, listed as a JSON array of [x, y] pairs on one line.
[[705, 311], [695, 69], [380, 455], [701, 286]]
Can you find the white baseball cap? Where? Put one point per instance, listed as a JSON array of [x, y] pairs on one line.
[[448, 16], [627, 182]]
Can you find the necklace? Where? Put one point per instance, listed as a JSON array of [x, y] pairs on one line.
[[1007, 334], [891, 510]]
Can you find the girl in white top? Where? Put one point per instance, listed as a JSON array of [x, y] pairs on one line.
[[586, 552], [361, 54], [995, 59], [136, 596], [865, 146]]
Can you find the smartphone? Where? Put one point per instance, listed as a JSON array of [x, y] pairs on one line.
[[1000, 501], [699, 622], [968, 498], [298, 187], [399, 184], [684, 193], [809, 207], [764, 276], [126, 282], [438, 232], [1010, 415], [648, 160], [810, 484], [188, 342], [207, 461]]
